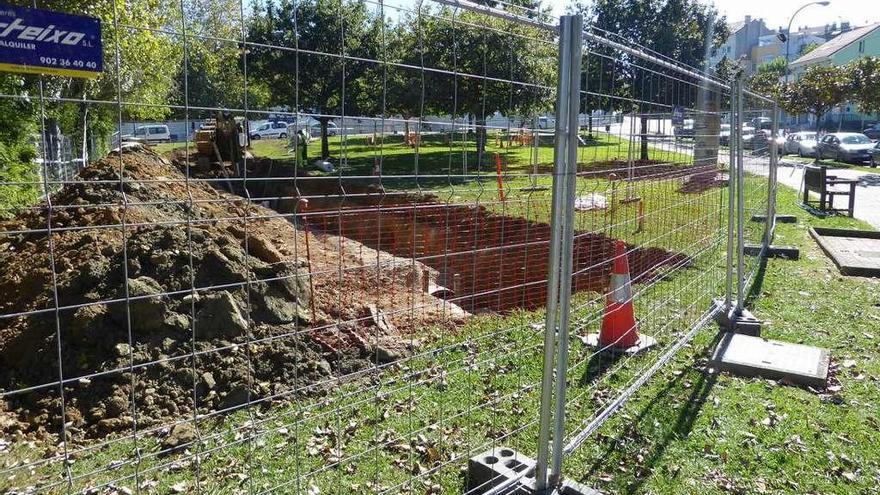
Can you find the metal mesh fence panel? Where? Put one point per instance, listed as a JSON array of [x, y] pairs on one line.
[[663, 194], [310, 250], [759, 142]]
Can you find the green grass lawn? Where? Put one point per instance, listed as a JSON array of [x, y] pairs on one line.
[[438, 157], [440, 168], [688, 430]]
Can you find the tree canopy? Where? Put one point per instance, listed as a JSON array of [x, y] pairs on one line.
[[500, 66], [335, 43], [864, 74], [677, 29], [816, 91], [143, 78], [766, 78]]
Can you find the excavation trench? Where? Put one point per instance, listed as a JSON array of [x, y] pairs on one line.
[[485, 261]]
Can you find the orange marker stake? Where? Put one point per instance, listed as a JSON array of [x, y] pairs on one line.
[[500, 178], [641, 218], [304, 203]]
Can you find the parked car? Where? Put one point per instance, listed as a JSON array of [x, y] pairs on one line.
[[269, 130], [332, 129], [800, 143], [748, 134], [724, 135], [684, 131], [872, 132], [874, 154], [780, 143], [845, 147], [753, 139], [158, 133], [764, 123]]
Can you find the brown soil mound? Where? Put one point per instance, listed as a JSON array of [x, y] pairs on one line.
[[642, 170], [171, 298], [702, 182]]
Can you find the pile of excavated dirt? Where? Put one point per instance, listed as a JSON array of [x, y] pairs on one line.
[[164, 297], [642, 170], [702, 182]]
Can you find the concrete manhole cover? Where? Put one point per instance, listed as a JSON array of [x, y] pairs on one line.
[[855, 252], [754, 356]]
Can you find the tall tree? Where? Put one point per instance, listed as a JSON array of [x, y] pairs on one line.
[[767, 77], [816, 91], [213, 74], [864, 76], [335, 42], [480, 65], [404, 91], [675, 28], [143, 79], [17, 122]]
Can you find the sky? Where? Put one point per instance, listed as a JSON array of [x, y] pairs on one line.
[[777, 12]]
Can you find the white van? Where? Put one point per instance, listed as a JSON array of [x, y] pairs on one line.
[[152, 134], [546, 122], [269, 130]]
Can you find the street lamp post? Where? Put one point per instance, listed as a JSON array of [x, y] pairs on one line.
[[787, 35]]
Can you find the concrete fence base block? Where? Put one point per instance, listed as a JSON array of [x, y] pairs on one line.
[[779, 218], [645, 342], [742, 323], [753, 356], [500, 464], [786, 252]]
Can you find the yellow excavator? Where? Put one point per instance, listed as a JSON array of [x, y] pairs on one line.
[[224, 139]]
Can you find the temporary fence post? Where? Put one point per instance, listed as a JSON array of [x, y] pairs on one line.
[[574, 93], [563, 89], [770, 224], [731, 196], [741, 200]]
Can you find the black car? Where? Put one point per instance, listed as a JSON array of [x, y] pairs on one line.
[[872, 132], [874, 154]]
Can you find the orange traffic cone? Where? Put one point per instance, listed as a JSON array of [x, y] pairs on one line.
[[619, 329]]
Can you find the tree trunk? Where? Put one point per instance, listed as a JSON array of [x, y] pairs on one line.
[[707, 126], [816, 154], [325, 142], [644, 137], [481, 142]]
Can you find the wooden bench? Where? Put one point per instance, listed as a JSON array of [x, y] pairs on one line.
[[817, 180]]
